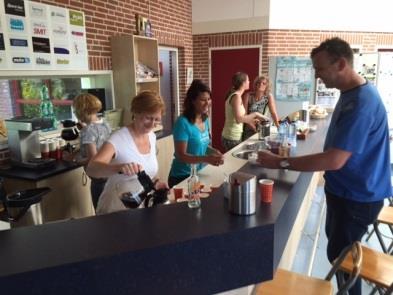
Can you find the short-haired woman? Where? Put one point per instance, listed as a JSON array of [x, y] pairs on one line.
[[128, 151]]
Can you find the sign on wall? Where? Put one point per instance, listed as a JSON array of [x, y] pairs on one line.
[[36, 36], [294, 78]]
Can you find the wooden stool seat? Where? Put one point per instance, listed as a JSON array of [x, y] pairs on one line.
[[286, 282], [377, 267]]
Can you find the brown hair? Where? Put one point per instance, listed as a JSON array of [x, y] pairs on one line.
[[335, 48], [196, 88], [147, 102], [259, 80], [86, 105], [237, 81]]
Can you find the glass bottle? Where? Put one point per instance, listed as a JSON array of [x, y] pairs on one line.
[[194, 185], [43, 105], [47, 107]]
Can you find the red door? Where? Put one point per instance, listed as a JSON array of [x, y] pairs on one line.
[[225, 63]]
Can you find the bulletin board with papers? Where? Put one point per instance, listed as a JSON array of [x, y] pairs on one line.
[[294, 79], [36, 36]]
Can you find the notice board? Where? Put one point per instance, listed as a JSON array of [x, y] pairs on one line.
[[294, 78], [36, 36]]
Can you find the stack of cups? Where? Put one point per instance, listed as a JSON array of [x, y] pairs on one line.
[[44, 147], [62, 145], [54, 149]]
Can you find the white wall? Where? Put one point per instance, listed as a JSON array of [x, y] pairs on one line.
[[214, 16], [343, 15]]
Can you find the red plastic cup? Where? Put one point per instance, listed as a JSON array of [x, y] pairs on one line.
[[178, 192], [266, 189]]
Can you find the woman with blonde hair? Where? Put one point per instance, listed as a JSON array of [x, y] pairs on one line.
[[127, 152], [235, 112], [258, 101], [92, 136]]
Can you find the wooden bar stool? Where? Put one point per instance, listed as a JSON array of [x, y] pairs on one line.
[[287, 282], [377, 268], [384, 217]]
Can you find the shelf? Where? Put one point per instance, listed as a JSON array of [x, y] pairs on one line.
[[146, 80], [55, 102]]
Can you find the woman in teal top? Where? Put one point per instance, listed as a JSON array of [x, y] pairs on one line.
[[191, 135]]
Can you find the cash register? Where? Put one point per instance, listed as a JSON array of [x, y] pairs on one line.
[[24, 141]]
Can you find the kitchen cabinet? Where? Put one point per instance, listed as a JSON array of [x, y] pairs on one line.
[[70, 189], [128, 54]]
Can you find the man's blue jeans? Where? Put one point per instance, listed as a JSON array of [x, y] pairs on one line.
[[346, 222]]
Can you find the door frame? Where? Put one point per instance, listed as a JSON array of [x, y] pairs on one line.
[[176, 76]]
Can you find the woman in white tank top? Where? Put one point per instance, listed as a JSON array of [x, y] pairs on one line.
[[128, 151]]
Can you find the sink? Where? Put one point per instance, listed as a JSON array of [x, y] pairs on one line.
[[243, 154], [246, 149]]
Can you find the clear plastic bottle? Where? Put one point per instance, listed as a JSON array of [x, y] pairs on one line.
[[194, 186]]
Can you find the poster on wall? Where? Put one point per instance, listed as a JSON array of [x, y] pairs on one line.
[[42, 37], [366, 65], [294, 78]]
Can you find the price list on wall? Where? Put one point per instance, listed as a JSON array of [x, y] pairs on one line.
[[36, 36]]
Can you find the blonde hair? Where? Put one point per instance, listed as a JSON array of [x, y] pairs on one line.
[[86, 105], [259, 80], [147, 102]]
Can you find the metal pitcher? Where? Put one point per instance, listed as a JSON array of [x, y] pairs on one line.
[[242, 200]]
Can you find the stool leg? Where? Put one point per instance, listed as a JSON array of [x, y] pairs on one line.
[[384, 249], [370, 234]]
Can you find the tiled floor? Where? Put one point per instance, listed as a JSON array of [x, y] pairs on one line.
[[319, 266]]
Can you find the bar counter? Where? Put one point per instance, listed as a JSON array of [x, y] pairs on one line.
[[167, 249]]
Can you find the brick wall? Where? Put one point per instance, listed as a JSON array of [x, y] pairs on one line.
[[280, 43], [170, 20]]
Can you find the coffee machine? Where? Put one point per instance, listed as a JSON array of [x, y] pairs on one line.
[[23, 139]]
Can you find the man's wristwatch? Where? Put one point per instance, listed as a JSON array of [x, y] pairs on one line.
[[284, 163]]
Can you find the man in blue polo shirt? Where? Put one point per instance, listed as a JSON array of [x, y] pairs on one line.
[[356, 152]]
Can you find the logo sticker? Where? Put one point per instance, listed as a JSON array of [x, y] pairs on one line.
[[62, 61], [41, 45], [17, 24], [20, 60], [76, 18], [76, 33], [61, 50], [39, 28], [60, 31], [42, 61], [37, 11], [14, 7], [2, 47], [19, 42]]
